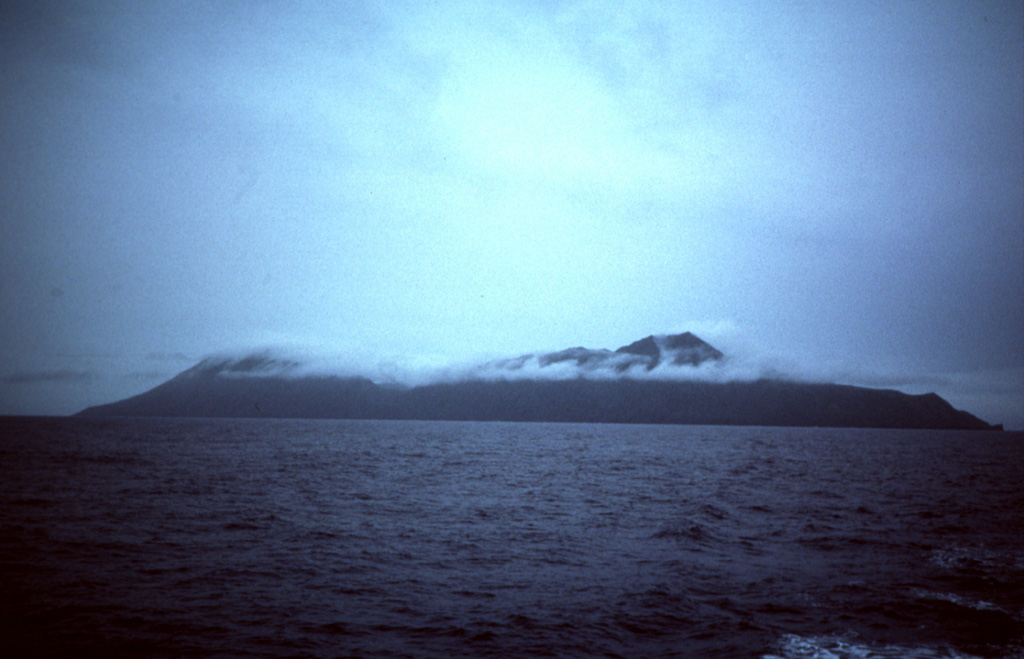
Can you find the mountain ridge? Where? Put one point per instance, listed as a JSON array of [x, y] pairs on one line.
[[646, 354]]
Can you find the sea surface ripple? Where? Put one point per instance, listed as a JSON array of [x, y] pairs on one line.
[[290, 538]]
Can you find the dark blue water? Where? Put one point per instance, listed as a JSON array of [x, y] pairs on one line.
[[217, 538]]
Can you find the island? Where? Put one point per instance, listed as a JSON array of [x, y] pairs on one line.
[[665, 379]]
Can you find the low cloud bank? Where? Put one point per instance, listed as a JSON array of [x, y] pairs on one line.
[[51, 376], [986, 393], [575, 363]]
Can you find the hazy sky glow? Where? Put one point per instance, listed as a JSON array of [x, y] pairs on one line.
[[834, 187]]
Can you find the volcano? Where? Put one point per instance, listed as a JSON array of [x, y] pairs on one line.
[[659, 379]]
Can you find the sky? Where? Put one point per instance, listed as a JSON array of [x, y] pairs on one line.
[[833, 188]]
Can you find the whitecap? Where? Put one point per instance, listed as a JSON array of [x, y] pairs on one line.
[[979, 605], [793, 646]]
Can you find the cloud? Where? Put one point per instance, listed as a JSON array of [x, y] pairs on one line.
[[55, 376], [158, 356], [143, 376], [296, 361], [989, 395]]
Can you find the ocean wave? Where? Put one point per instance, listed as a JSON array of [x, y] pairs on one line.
[[959, 557], [978, 605], [793, 646]]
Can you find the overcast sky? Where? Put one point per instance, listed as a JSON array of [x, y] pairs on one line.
[[834, 186]]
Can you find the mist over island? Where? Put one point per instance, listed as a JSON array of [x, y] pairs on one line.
[[659, 379]]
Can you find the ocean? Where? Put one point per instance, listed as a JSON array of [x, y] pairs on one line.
[[293, 538]]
